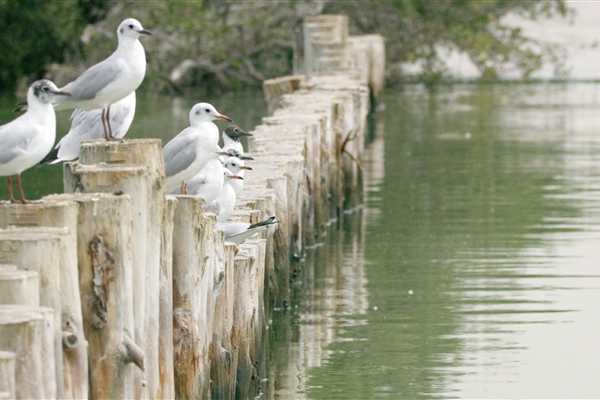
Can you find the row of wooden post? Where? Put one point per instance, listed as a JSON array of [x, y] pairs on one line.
[[117, 290]]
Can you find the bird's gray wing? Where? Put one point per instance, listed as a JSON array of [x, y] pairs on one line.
[[196, 183], [213, 207], [93, 80], [179, 153], [12, 145]]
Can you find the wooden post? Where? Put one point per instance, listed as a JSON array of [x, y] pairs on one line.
[[242, 313], [19, 286], [7, 375], [146, 187], [27, 331], [39, 249], [165, 350], [224, 355], [54, 211], [188, 262], [105, 278]]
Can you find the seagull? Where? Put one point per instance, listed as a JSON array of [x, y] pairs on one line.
[[237, 167], [231, 138], [235, 153], [29, 137], [110, 80], [238, 232], [224, 204], [188, 152], [209, 181], [86, 125]]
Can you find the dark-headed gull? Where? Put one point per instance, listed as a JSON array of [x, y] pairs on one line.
[[188, 152], [28, 138], [111, 80], [231, 138]]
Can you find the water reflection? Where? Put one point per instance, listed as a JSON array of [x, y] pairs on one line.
[[479, 272]]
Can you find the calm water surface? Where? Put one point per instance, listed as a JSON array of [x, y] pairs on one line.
[[473, 270]]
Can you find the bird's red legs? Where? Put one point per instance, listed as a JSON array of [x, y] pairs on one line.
[[110, 134], [184, 188], [10, 192]]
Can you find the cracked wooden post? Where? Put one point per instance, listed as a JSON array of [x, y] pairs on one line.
[[188, 261], [105, 283], [53, 211], [147, 191], [40, 249], [165, 351], [28, 332], [242, 314], [7, 375], [224, 355]]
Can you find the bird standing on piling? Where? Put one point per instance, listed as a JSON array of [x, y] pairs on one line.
[[28, 138], [231, 138], [188, 152], [209, 181], [87, 125], [224, 204], [237, 167], [238, 232], [110, 80]]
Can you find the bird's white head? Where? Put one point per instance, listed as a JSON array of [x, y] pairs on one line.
[[43, 91], [205, 112], [229, 175], [235, 165], [131, 28]]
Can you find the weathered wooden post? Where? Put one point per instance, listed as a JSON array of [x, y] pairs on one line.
[[242, 313], [147, 210], [39, 249], [224, 356], [61, 214], [188, 262], [28, 332], [18, 286], [7, 375], [105, 283], [165, 350]]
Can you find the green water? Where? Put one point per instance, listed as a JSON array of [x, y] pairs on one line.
[[472, 271]]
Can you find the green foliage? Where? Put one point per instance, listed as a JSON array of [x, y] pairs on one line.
[[416, 29], [32, 37], [224, 45]]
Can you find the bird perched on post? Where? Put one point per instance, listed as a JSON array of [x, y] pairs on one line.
[[224, 204], [111, 80], [238, 232], [87, 125], [231, 138], [188, 152], [209, 181], [237, 167], [28, 138]]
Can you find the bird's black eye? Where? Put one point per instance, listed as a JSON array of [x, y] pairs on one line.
[[45, 88], [130, 26], [207, 110]]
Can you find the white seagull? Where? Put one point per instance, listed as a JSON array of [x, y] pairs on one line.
[[188, 152], [231, 138], [209, 181], [86, 125], [29, 137], [224, 204], [237, 167], [238, 232], [110, 80]]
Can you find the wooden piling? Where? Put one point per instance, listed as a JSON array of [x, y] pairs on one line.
[[7, 375], [59, 213]]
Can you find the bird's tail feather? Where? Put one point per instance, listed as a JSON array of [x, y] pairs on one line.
[[51, 158], [263, 223]]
